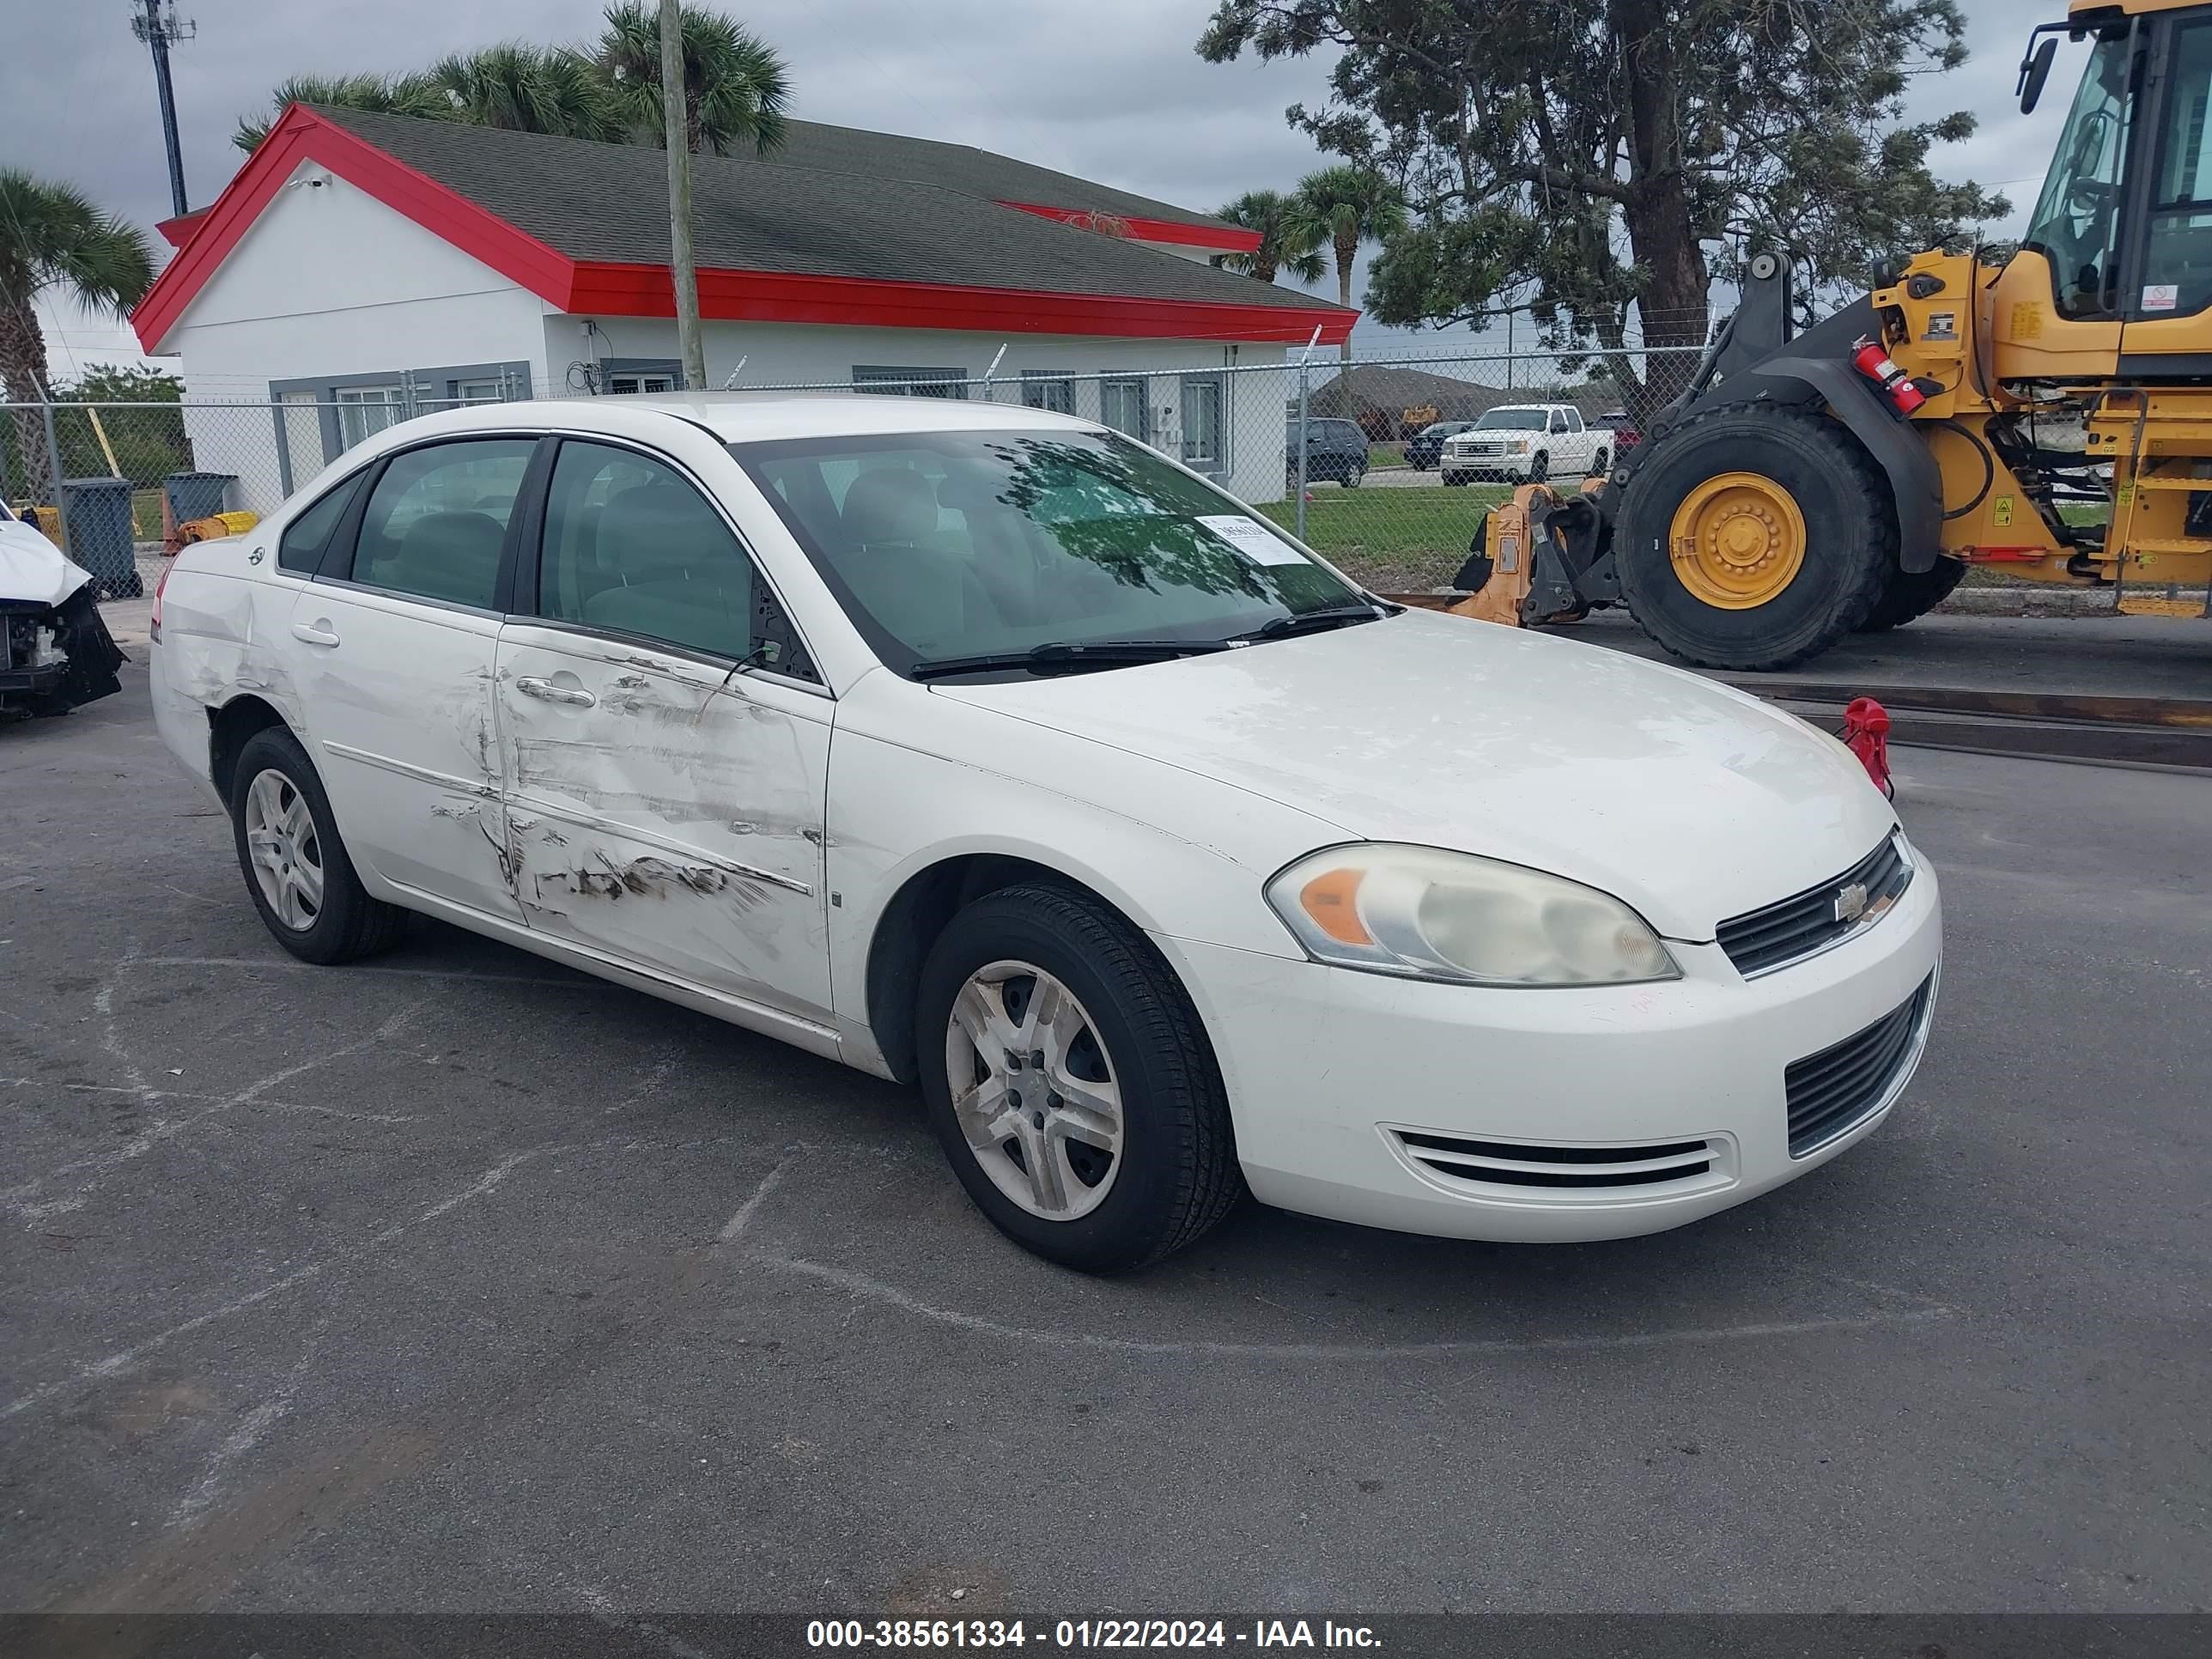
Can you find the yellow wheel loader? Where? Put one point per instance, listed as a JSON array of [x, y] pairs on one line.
[[1809, 485]]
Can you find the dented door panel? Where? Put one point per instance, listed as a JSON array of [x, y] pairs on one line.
[[400, 718], [660, 814]]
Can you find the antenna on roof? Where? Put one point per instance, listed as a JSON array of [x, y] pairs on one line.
[[731, 384]]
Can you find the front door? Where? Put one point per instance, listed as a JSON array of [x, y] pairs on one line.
[[391, 648], [666, 742], [1204, 448]]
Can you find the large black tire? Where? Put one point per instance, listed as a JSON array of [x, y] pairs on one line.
[[350, 924], [1178, 1172], [1849, 518], [1913, 593]]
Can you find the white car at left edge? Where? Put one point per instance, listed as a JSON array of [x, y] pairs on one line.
[[986, 749]]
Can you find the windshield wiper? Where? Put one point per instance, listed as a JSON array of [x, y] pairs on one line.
[[1067, 654], [1313, 621]]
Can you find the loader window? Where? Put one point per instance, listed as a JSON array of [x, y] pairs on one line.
[[2076, 222], [2178, 256]]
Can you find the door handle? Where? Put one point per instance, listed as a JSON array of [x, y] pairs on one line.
[[308, 634], [546, 691]]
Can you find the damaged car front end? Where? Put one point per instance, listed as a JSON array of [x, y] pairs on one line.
[[55, 651]]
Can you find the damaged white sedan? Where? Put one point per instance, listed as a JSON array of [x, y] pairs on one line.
[[983, 748], [55, 651]]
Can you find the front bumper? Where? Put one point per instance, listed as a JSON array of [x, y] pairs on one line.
[[1486, 470], [1325, 1067]]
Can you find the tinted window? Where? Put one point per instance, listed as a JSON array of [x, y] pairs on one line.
[[955, 544], [302, 548], [632, 545], [437, 520]]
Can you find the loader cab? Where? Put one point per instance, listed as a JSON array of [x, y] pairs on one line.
[[2125, 219]]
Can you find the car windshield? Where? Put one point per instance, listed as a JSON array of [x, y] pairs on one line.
[[1513, 420], [1444, 429], [947, 546]]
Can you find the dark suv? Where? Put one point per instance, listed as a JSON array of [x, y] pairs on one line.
[[1423, 448], [1334, 449]]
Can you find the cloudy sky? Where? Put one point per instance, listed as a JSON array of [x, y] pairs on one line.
[[1111, 92]]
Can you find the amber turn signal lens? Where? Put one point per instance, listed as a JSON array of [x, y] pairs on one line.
[[1332, 899]]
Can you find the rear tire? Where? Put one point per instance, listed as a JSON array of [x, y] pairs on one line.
[[1913, 594], [343, 923], [1837, 490], [1540, 470], [1174, 1171], [1353, 475], [1601, 463]]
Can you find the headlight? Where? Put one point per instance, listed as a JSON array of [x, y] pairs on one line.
[[1520, 446], [1424, 914]]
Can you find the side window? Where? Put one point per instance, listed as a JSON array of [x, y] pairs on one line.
[[300, 548], [2178, 261], [1574, 420], [631, 546], [437, 520]]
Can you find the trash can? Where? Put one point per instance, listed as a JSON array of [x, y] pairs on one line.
[[196, 495], [99, 514]]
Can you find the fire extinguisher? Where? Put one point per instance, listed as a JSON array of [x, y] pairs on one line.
[[1874, 362]]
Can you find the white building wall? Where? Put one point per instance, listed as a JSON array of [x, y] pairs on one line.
[[330, 284], [1253, 382]]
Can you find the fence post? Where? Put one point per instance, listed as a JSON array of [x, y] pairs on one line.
[[1305, 378], [54, 464]]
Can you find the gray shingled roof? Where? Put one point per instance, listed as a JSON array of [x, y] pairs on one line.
[[609, 202], [972, 172]]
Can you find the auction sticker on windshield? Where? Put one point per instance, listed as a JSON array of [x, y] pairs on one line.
[[1252, 539]]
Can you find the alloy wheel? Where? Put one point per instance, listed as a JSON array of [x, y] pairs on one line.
[[1034, 1090], [287, 855]]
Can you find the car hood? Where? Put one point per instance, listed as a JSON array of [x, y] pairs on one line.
[[32, 569], [1692, 801]]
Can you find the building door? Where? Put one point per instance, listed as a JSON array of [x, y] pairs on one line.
[[1205, 444]]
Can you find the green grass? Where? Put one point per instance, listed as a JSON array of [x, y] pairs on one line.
[[1382, 455], [1390, 521]]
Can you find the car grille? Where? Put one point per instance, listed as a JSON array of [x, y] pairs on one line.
[[1565, 1171], [1761, 941], [1837, 1089]]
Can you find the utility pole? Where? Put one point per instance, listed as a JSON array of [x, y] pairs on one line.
[[680, 265], [158, 26]]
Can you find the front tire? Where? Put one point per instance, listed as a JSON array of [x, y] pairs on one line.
[[1064, 1072], [1353, 475], [296, 868], [1714, 547]]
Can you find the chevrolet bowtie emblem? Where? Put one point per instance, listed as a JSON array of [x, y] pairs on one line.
[[1851, 902]]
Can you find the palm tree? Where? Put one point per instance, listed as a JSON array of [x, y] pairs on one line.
[[735, 88], [1343, 206], [52, 236], [397, 95], [526, 90], [1269, 212]]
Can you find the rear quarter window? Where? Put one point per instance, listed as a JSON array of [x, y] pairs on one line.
[[300, 548]]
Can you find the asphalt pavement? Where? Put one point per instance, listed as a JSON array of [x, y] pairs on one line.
[[458, 1281]]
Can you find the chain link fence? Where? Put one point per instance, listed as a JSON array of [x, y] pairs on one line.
[[1353, 458]]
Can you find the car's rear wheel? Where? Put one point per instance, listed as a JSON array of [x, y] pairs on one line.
[[1069, 1080], [296, 868], [1599, 464], [1352, 475], [1540, 470]]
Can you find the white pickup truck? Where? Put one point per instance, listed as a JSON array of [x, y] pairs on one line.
[[1527, 443]]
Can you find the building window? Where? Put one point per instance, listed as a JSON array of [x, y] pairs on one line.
[[630, 381], [478, 392], [1123, 406], [363, 409], [886, 381], [1047, 388]]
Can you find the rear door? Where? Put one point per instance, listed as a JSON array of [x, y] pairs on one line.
[[666, 738], [393, 647]]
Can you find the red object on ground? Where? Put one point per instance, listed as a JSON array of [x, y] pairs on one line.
[[1866, 734], [1876, 364]]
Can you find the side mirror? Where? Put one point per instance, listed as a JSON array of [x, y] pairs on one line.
[[2034, 71]]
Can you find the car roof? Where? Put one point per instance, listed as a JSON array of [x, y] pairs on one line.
[[750, 417]]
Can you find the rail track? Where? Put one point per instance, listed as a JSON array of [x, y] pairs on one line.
[[2166, 733]]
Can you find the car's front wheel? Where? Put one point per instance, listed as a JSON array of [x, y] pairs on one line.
[[1069, 1082], [296, 868]]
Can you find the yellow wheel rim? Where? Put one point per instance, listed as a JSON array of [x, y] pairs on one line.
[[1738, 541]]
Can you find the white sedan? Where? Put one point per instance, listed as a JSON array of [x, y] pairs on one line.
[[981, 748]]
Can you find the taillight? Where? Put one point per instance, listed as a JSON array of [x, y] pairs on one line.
[[154, 628]]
